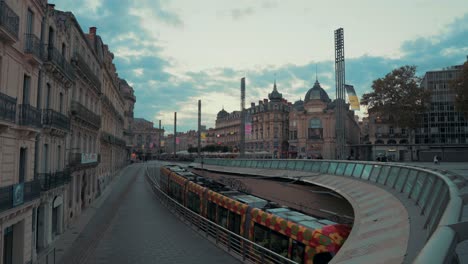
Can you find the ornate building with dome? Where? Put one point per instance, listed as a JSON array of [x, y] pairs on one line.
[[312, 126]]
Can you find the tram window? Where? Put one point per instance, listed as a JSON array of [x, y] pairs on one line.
[[279, 243], [193, 202], [297, 252], [211, 211], [234, 222], [261, 236], [222, 216]]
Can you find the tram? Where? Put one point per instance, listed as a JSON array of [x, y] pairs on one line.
[[292, 234]]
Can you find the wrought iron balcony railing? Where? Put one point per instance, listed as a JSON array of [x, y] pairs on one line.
[[55, 57], [84, 159], [53, 180], [9, 20], [33, 46], [55, 119], [111, 139], [86, 70], [85, 114], [7, 108], [29, 116], [15, 195]]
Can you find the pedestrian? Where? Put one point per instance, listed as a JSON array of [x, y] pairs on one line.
[[436, 159]]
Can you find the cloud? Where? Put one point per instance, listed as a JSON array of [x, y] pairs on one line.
[[162, 88], [239, 13]]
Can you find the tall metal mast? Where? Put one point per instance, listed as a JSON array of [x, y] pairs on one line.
[[340, 94], [175, 133], [242, 124], [199, 128]]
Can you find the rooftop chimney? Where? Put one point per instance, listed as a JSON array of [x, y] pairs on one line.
[[92, 30], [265, 100], [252, 104], [51, 6]]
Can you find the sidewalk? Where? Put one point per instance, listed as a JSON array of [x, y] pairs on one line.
[[66, 240]]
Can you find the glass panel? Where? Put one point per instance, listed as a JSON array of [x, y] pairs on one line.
[[222, 216], [349, 169], [427, 188], [383, 174], [324, 167], [316, 166], [433, 197], [411, 181], [236, 163], [261, 236], [279, 243], [267, 164], [366, 172], [211, 211], [375, 173], [358, 170], [297, 251], [437, 206], [341, 168], [332, 167], [291, 165], [254, 164], [299, 165], [248, 163], [394, 171], [418, 185], [243, 162], [282, 164], [401, 178], [274, 164], [307, 166]]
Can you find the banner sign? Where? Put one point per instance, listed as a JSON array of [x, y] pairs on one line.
[[18, 194], [352, 97]]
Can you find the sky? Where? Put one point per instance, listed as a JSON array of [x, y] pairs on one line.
[[174, 53]]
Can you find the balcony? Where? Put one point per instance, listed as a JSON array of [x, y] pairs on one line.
[[29, 116], [85, 71], [7, 108], [15, 195], [33, 49], [83, 160], [53, 180], [54, 119], [85, 115], [9, 23], [111, 139], [58, 65]]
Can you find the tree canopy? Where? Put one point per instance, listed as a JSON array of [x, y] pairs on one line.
[[460, 86], [398, 98]]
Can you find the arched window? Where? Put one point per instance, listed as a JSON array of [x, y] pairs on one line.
[[403, 141], [391, 142], [379, 141], [315, 130], [139, 140]]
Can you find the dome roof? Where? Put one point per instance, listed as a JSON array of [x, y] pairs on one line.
[[298, 105], [317, 93], [222, 114]]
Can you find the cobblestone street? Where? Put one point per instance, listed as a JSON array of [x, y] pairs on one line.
[[132, 227]]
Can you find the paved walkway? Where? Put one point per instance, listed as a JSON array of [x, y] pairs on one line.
[[130, 226]]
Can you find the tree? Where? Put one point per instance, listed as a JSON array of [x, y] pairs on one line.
[[398, 98], [460, 87]]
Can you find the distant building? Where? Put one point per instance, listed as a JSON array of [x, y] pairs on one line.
[[312, 127], [443, 131], [145, 141]]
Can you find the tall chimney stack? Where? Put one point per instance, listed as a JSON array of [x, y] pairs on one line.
[[92, 31]]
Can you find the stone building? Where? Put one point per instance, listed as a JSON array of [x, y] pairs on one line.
[[57, 77], [130, 99], [269, 125], [312, 127], [227, 129], [146, 138], [20, 124]]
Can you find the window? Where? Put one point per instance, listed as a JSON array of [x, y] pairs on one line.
[[211, 211], [61, 102], [29, 22], [48, 92], [22, 165], [222, 216], [26, 89], [315, 130]]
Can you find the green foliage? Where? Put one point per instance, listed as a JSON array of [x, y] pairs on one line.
[[460, 86], [398, 98]]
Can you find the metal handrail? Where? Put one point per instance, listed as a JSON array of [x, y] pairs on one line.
[[445, 206], [235, 244]]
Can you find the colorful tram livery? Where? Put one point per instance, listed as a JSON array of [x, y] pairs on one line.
[[292, 234]]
